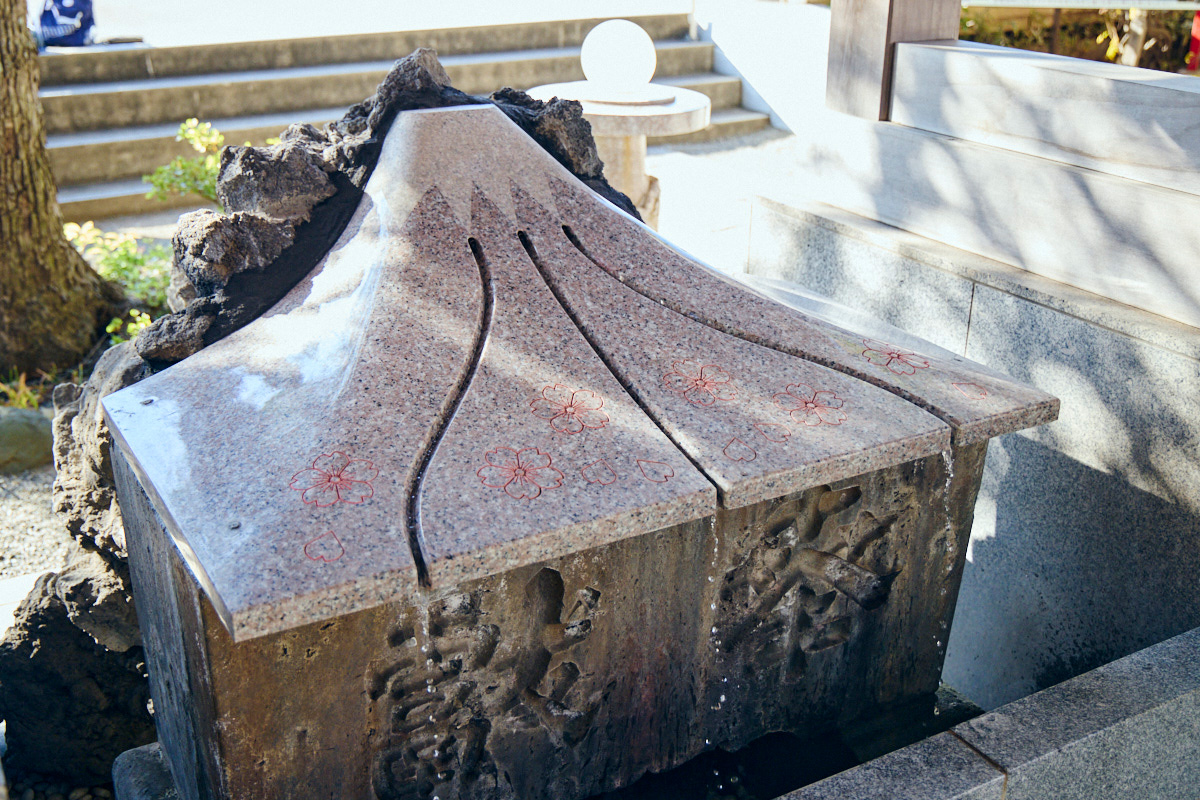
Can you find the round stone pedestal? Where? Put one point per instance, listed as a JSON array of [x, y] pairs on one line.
[[621, 130]]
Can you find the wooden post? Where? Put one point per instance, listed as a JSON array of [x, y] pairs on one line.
[[862, 36]]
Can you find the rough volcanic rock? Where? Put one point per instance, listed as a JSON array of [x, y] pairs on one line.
[[143, 774], [70, 704], [83, 489], [176, 336], [95, 588], [558, 126], [281, 183], [180, 291], [211, 247], [292, 200]]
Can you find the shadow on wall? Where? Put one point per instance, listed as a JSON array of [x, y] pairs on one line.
[[1075, 568]]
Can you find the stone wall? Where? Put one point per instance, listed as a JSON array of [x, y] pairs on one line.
[[1087, 529]]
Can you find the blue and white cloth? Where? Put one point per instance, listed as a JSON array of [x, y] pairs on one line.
[[67, 23]]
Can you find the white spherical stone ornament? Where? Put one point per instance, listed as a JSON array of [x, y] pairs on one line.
[[619, 56]]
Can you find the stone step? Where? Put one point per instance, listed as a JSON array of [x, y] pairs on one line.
[[85, 107], [118, 153], [725, 125], [103, 65], [94, 201]]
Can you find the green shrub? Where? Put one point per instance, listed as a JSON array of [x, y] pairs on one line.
[[196, 175], [142, 269], [122, 330], [19, 394]]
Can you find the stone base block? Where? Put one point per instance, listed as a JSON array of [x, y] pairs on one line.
[[576, 676]]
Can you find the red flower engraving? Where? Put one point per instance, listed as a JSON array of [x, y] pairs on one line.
[[737, 450], [656, 471], [522, 474], [599, 472], [773, 431], [326, 547], [568, 411], [333, 477], [901, 362], [702, 385], [811, 407], [971, 391]]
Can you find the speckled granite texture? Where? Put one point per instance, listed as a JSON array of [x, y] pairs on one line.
[[426, 407]]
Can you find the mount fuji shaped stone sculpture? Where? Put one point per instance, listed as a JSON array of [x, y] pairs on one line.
[[510, 498]]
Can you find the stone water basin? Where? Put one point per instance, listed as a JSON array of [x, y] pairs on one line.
[[511, 498]]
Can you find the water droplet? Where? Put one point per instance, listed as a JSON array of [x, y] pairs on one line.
[[722, 698], [436, 753], [939, 642], [708, 741], [712, 606], [724, 680], [710, 578], [429, 689], [716, 773], [714, 630]]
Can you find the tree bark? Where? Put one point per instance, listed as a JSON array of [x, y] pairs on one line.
[[52, 303]]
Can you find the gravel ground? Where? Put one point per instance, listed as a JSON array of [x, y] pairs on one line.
[[32, 539], [37, 787]]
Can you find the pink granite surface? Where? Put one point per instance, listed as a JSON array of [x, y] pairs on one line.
[[760, 423], [424, 407], [547, 454], [977, 402]]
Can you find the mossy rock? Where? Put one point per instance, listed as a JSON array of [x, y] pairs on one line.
[[26, 440]]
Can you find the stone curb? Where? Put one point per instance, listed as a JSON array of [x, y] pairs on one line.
[[1129, 729]]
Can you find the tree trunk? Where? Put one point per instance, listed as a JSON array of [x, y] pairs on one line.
[[52, 304]]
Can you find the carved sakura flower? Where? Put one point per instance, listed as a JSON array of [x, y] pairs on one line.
[[522, 474], [568, 411], [335, 477], [896, 360], [811, 407], [702, 385]]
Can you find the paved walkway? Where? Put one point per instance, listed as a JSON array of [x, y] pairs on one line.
[[179, 22]]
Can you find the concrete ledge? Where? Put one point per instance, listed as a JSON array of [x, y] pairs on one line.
[[1136, 123], [1130, 729], [781, 243]]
